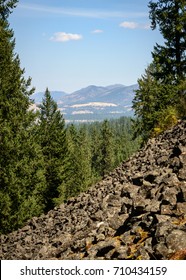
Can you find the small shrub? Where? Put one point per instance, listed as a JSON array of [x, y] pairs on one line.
[[167, 119]]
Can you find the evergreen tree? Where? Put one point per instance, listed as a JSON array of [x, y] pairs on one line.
[[6, 7], [170, 59], [52, 138], [79, 161], [123, 142], [107, 148], [68, 188], [96, 150], [150, 99], [93, 151], [162, 88], [22, 180], [84, 159]]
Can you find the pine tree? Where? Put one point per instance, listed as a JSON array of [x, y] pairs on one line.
[[107, 148], [22, 180], [6, 7], [52, 138], [66, 189], [150, 99], [96, 150], [162, 88], [83, 159], [79, 175], [170, 59], [123, 142]]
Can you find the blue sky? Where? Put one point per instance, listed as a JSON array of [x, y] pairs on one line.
[[70, 44]]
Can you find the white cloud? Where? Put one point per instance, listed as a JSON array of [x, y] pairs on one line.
[[64, 37], [129, 24], [97, 31], [134, 25]]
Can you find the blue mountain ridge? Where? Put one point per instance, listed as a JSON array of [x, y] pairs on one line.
[[93, 102]]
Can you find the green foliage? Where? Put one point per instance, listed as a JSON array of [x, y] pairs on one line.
[[79, 173], [103, 148], [93, 151], [145, 103], [6, 7], [107, 159], [83, 160], [181, 104], [151, 99], [95, 135], [52, 138], [22, 180], [169, 116], [124, 141], [170, 59], [160, 99], [166, 119]]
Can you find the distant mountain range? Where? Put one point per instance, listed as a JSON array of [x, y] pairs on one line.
[[93, 102]]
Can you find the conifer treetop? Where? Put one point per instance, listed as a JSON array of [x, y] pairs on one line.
[[6, 7]]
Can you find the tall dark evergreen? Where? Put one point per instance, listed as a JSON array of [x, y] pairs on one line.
[[160, 100], [22, 180], [170, 17], [6, 7], [52, 136]]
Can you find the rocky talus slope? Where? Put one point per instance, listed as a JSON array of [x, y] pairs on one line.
[[136, 212]]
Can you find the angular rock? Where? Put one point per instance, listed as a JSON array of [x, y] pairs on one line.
[[176, 240]]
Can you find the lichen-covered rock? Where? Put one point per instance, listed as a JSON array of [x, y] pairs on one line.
[[136, 212]]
